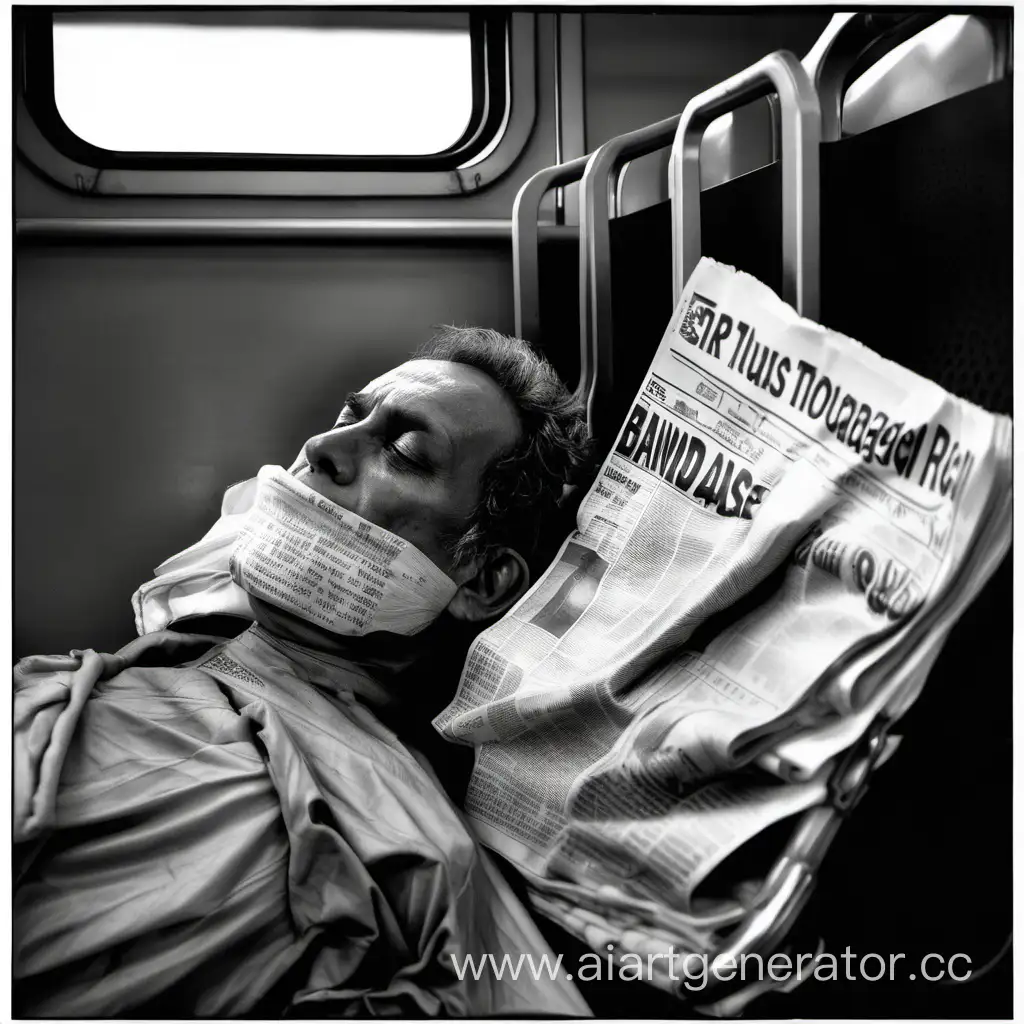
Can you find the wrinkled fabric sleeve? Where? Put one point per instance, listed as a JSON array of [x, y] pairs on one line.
[[407, 970], [49, 694], [50, 691], [428, 922], [336, 879]]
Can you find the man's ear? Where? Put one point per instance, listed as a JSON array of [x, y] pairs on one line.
[[491, 586]]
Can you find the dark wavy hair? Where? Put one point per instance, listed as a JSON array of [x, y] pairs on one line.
[[522, 490]]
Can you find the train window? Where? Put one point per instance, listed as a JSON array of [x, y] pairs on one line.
[[326, 101], [165, 86]]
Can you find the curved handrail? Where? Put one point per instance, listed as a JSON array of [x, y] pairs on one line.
[[800, 119], [597, 201], [525, 241], [848, 41], [909, 71]]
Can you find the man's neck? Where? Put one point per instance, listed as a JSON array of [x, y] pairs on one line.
[[386, 655]]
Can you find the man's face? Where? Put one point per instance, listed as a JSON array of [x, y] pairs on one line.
[[409, 451]]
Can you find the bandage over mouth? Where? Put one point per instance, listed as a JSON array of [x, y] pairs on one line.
[[301, 552]]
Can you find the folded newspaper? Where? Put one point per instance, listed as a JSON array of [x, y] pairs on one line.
[[773, 553]]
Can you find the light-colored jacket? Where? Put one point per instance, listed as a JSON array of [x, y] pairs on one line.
[[214, 829]]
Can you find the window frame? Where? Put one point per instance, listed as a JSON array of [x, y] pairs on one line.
[[504, 108]]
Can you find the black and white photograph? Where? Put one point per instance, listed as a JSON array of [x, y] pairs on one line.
[[511, 512]]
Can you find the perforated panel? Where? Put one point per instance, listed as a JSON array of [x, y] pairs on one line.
[[917, 246]]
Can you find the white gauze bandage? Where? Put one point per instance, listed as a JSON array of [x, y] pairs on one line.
[[301, 552]]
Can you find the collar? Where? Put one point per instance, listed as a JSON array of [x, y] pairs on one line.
[[332, 674]]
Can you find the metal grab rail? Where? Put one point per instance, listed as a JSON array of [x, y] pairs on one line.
[[848, 41], [800, 119], [598, 193], [525, 255]]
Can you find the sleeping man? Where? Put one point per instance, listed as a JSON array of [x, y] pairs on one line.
[[217, 828]]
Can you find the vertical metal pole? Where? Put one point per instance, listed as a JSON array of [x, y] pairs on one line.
[[559, 192]]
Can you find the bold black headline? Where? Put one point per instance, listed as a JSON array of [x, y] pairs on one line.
[[701, 469], [925, 453]]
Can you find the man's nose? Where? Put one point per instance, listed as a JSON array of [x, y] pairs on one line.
[[337, 453]]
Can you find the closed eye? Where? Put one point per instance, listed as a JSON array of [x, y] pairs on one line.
[[402, 430], [406, 459]]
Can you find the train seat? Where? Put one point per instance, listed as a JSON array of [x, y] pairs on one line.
[[915, 261]]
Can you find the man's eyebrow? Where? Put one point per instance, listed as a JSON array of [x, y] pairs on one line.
[[360, 402], [412, 419]]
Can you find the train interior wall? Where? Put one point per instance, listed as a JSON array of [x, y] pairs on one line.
[[149, 376]]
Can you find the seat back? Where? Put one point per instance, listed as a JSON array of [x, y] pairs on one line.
[[916, 261]]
